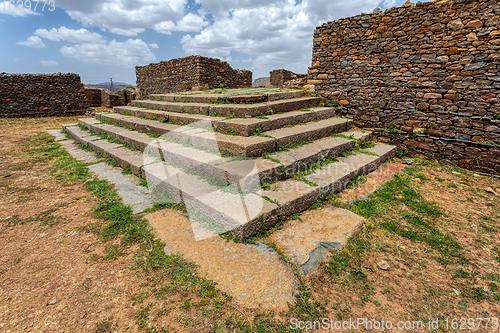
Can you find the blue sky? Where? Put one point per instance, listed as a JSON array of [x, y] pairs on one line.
[[100, 39]]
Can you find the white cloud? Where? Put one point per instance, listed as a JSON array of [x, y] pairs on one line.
[[12, 10], [165, 27], [129, 53], [70, 35], [124, 17], [191, 22], [153, 46], [274, 33], [33, 41], [49, 63]]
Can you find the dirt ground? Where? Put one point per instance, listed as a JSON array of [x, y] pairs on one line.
[[54, 275]]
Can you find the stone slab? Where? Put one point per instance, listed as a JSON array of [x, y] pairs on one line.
[[310, 241], [374, 180], [127, 187], [292, 196], [79, 154], [334, 177], [263, 109], [248, 126], [308, 132], [200, 108], [255, 276], [58, 134]]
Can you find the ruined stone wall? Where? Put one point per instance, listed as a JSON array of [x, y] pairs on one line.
[[183, 74], [93, 96], [429, 70], [40, 95], [99, 97], [287, 79]]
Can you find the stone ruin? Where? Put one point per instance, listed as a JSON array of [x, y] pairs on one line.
[[184, 74]]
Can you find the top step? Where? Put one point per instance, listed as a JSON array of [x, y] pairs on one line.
[[230, 109], [238, 96]]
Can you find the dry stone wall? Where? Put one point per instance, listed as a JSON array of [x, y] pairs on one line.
[[40, 95], [183, 74], [99, 97], [287, 79], [429, 74]]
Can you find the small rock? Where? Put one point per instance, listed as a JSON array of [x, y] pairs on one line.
[[490, 190], [408, 161], [54, 301], [383, 265], [343, 102], [377, 11], [456, 292], [7, 175]]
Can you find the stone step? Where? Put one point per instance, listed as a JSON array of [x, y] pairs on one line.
[[294, 196], [248, 173], [264, 109], [250, 97], [252, 146], [239, 110], [245, 214], [240, 126], [173, 117], [123, 156], [198, 137], [311, 131], [284, 164]]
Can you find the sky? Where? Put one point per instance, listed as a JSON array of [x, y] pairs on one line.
[[103, 39]]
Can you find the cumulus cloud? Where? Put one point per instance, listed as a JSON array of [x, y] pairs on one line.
[[49, 63], [33, 41], [191, 22], [129, 53], [153, 46], [274, 33], [70, 35], [125, 17]]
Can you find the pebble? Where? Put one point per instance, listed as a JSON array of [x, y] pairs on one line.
[[490, 190], [383, 265], [54, 301]]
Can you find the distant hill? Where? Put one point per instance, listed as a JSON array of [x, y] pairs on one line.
[[262, 81], [105, 85]]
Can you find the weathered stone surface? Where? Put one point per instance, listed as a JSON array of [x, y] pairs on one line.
[[239, 270], [322, 231], [455, 24]]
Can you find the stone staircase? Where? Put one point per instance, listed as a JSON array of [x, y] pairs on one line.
[[245, 159]]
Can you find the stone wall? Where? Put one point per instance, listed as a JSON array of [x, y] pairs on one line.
[[99, 97], [287, 79], [93, 96], [40, 95], [183, 74], [469, 141], [428, 73]]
